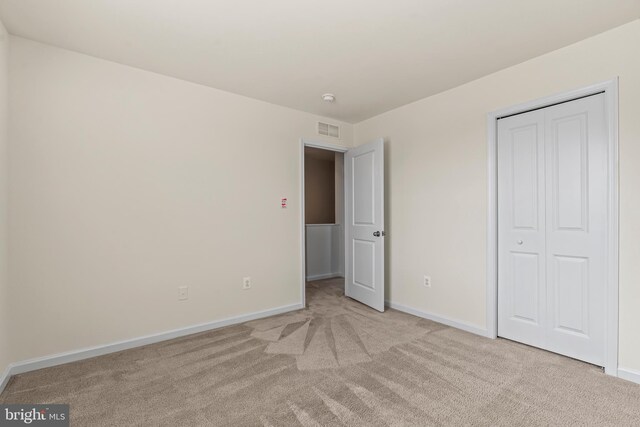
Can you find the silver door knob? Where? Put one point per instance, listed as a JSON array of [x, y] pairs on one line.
[[519, 242], [376, 234]]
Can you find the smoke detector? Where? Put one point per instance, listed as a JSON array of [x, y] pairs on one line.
[[328, 97]]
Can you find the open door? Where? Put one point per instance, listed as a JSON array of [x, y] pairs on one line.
[[364, 225]]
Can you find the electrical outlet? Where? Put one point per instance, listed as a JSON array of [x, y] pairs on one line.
[[427, 281], [183, 293], [246, 283]]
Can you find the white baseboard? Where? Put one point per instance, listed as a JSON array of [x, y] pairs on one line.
[[323, 276], [624, 373], [440, 319], [629, 375], [86, 353]]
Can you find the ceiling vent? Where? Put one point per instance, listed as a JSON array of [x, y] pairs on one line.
[[328, 130]]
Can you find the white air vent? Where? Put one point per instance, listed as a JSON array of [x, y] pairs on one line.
[[328, 130]]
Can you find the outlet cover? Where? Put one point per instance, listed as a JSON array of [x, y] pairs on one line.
[[183, 293], [246, 283], [427, 281]]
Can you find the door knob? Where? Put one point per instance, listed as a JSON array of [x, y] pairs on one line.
[[376, 234], [519, 242]]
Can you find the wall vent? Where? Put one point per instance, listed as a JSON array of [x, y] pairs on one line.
[[328, 130]]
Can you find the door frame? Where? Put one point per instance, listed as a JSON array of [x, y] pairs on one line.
[[304, 142], [610, 90]]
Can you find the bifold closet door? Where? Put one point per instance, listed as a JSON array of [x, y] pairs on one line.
[[521, 229], [552, 225]]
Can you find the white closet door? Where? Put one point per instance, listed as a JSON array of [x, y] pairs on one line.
[[577, 171], [552, 228], [521, 228]]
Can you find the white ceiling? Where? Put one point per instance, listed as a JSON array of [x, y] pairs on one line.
[[375, 55]]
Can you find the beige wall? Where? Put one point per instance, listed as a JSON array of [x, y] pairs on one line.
[[319, 192], [5, 357], [437, 178], [126, 184]]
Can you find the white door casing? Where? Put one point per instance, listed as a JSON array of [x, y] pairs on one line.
[[324, 146], [364, 224], [553, 171]]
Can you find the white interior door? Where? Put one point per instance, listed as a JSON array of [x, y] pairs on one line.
[[552, 228], [364, 225]]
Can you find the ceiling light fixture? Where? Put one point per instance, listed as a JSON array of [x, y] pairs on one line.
[[328, 97]]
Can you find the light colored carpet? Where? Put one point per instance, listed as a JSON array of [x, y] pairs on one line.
[[335, 363]]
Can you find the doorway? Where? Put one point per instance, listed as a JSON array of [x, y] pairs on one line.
[[349, 240], [324, 214], [552, 253]]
